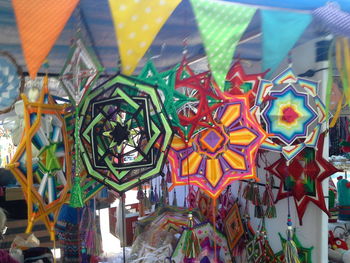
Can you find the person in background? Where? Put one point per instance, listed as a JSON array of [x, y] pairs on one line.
[[4, 255]]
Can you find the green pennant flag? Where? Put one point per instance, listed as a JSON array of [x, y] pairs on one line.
[[221, 25]]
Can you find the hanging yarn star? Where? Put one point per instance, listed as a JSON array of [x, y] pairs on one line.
[[302, 178], [43, 156]]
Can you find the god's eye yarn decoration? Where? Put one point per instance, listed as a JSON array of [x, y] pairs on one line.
[[303, 178], [124, 133], [291, 112], [80, 71], [219, 155], [43, 157]]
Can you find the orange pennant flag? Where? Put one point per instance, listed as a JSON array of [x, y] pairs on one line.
[[40, 23]]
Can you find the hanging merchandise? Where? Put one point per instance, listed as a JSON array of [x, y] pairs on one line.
[[124, 133], [212, 245], [291, 112], [268, 199], [221, 154], [80, 71], [259, 249], [43, 157], [233, 227], [12, 81], [303, 177], [238, 82]]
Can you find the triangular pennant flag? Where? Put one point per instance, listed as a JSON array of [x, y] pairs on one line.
[[136, 24], [280, 30], [40, 23], [221, 26]]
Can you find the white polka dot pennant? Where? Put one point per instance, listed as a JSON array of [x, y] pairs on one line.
[[137, 22], [221, 25]]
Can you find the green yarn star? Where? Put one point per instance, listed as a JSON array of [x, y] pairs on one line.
[[165, 82]]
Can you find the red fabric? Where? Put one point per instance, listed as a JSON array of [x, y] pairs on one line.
[[5, 257]]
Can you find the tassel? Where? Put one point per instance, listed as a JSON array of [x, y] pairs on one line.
[[76, 197], [248, 192], [191, 247], [174, 198], [268, 199], [289, 248], [165, 193], [258, 210]]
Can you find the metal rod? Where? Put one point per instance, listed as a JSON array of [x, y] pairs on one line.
[[123, 225], [261, 184]]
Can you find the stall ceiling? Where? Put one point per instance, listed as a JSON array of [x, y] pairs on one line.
[[93, 19]]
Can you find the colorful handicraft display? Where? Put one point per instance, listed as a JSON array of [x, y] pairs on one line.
[[303, 177], [291, 111], [213, 246], [12, 81], [220, 154], [124, 134], [43, 157]]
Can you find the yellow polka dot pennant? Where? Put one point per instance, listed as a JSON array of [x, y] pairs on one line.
[[137, 22], [221, 25]]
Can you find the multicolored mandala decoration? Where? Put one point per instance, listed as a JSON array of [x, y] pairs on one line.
[[233, 227], [291, 112], [43, 157], [12, 81], [80, 71], [125, 133], [221, 154], [303, 178]]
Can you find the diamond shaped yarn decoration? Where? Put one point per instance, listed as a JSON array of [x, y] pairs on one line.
[[80, 71]]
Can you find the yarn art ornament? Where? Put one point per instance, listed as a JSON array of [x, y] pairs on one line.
[[124, 133], [219, 155], [291, 112], [207, 236], [80, 71], [196, 114], [12, 82], [171, 98], [303, 177], [239, 83], [233, 227], [43, 157]]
